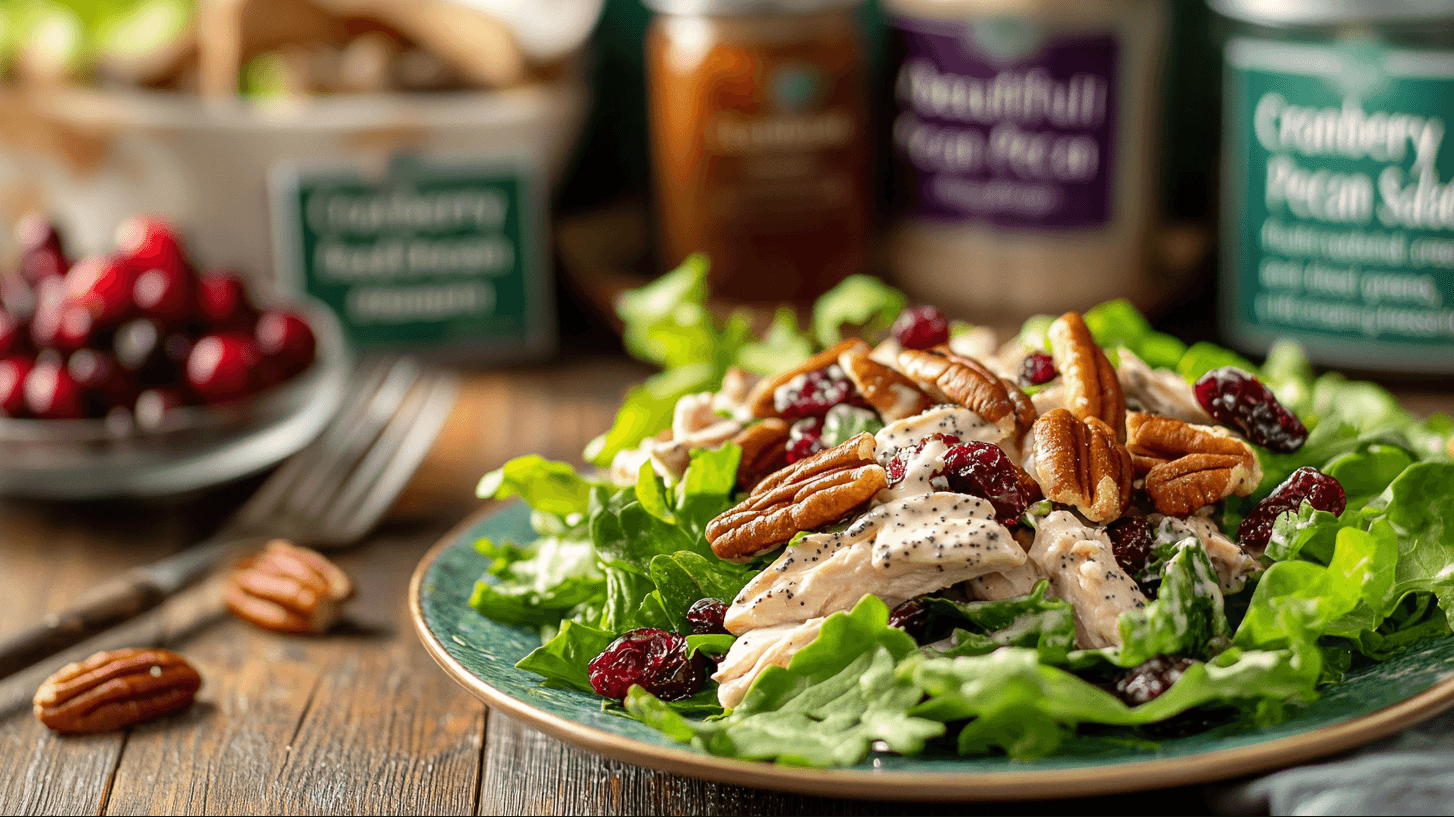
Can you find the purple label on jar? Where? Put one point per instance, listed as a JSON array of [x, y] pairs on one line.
[[995, 125]]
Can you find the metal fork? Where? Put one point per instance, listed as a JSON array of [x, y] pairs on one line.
[[329, 494]]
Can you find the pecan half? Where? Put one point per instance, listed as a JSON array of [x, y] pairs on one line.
[[760, 399], [1081, 463], [1188, 466], [1024, 409], [965, 382], [808, 494], [764, 451], [288, 589], [116, 689], [893, 395], [1091, 386]]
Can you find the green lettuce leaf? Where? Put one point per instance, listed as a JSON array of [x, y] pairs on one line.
[[538, 585], [1186, 618], [547, 486], [1118, 323], [1037, 621], [861, 301], [836, 696], [562, 660], [844, 422], [783, 347]]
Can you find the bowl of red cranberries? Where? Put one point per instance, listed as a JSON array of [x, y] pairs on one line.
[[134, 373]]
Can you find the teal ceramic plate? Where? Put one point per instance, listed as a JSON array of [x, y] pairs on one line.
[[481, 655]]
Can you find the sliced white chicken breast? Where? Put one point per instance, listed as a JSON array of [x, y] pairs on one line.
[[1082, 569], [755, 652], [1232, 563]]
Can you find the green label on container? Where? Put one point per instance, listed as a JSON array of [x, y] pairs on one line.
[[429, 254], [1338, 226]]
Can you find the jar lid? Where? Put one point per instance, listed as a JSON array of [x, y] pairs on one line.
[[731, 7], [1333, 12]]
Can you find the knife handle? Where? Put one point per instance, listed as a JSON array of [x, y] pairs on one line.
[[110, 605]]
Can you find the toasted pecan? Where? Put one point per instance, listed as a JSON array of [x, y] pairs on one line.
[[116, 689], [1188, 467], [893, 395], [1091, 386], [760, 399], [1081, 463], [806, 495], [764, 451], [964, 381]]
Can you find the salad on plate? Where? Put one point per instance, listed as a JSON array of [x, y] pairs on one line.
[[888, 531]]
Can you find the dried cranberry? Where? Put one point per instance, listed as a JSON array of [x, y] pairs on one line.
[[921, 328], [706, 615], [1038, 369], [51, 393], [898, 466], [167, 296], [1146, 681], [13, 371], [983, 470], [654, 659], [1130, 542], [812, 394], [1237, 399], [103, 286], [1305, 484], [223, 302], [150, 243], [912, 617], [286, 340], [223, 367], [805, 439]]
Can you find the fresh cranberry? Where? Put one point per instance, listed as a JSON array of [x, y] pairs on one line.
[[805, 439], [76, 330], [50, 303], [706, 616], [223, 367], [140, 350], [1237, 399], [1131, 543], [13, 371], [812, 394], [922, 327], [102, 382], [1306, 484], [912, 617], [898, 466], [167, 296], [154, 405], [51, 393], [654, 659], [286, 340], [1038, 369], [150, 243], [1148, 680], [17, 297], [41, 253], [103, 286], [223, 301], [11, 334], [983, 470]]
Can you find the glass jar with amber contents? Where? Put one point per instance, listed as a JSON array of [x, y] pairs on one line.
[[759, 140]]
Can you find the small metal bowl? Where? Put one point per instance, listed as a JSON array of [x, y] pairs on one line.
[[196, 447]]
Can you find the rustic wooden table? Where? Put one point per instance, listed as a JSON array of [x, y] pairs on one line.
[[361, 720]]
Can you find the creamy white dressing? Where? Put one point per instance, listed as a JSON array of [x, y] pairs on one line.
[[788, 393], [1082, 569], [1230, 561], [942, 419]]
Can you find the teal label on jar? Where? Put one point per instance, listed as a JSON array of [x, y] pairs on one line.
[[429, 253], [1338, 223]]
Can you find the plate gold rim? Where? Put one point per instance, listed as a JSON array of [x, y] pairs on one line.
[[1030, 784]]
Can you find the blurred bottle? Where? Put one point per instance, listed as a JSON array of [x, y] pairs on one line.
[[1337, 206], [759, 137], [1025, 146]]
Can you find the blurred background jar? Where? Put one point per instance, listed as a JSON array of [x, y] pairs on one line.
[[1025, 152], [1337, 226], [760, 142]]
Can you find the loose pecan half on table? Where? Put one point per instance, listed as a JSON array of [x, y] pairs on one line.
[[806, 495], [288, 589], [116, 689], [1188, 466]]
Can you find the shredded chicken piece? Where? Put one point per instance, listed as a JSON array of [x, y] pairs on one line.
[[1082, 569], [758, 650], [1232, 563], [1017, 581], [1158, 391], [942, 419]]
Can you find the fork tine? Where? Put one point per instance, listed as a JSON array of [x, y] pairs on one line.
[[381, 476], [271, 501]]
